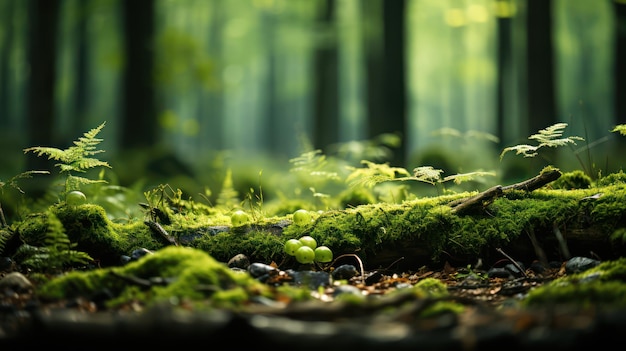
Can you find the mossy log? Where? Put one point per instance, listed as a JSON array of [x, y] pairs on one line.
[[523, 220]]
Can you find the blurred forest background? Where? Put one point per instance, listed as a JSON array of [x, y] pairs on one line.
[[191, 88]]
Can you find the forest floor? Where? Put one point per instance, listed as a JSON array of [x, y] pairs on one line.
[[491, 318]]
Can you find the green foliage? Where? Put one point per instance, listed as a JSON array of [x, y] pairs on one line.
[[317, 173], [572, 180], [13, 181], [13, 184], [600, 287], [228, 197], [548, 137], [5, 235], [56, 251], [159, 199], [621, 128], [312, 164], [377, 173], [76, 158]]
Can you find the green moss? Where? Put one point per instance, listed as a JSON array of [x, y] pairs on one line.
[[428, 225], [431, 287], [189, 274], [611, 179], [572, 180], [603, 286], [256, 244], [609, 210], [89, 227]]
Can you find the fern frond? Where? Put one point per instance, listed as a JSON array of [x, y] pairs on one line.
[[621, 128], [313, 163], [52, 153], [374, 173], [75, 158], [551, 136], [88, 163], [308, 161], [427, 174], [228, 196], [5, 235], [13, 181], [464, 177], [548, 137], [522, 149], [56, 251], [549, 133]]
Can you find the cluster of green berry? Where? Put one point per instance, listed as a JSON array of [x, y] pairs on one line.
[[306, 250]]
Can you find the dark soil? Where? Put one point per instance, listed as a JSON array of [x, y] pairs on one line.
[[491, 319]]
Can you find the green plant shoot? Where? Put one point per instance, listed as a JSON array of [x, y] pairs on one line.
[[76, 159]]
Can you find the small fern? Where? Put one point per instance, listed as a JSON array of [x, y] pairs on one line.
[[76, 159], [313, 164], [13, 184], [377, 173], [374, 173], [228, 197], [550, 137], [56, 252]]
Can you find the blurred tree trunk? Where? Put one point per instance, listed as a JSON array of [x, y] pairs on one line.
[[386, 83], [42, 33], [81, 99], [271, 123], [211, 104], [139, 121], [505, 66], [6, 14], [619, 62], [540, 69], [326, 104]]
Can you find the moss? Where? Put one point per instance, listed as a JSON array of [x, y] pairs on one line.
[[426, 225], [609, 209], [190, 274], [603, 286], [256, 244], [356, 196], [431, 287], [89, 227], [612, 179], [572, 180]]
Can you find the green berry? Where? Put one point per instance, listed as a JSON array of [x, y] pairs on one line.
[[75, 198], [305, 254], [308, 241], [323, 254], [301, 217], [239, 218], [291, 246]]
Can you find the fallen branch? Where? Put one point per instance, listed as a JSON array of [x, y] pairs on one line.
[[483, 199]]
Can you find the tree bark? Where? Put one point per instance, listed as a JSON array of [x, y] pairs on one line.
[[618, 64], [386, 83], [139, 123], [42, 78], [539, 65], [326, 113]]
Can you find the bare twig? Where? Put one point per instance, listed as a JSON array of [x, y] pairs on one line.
[[485, 198], [512, 261], [562, 243], [538, 250], [358, 260]]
